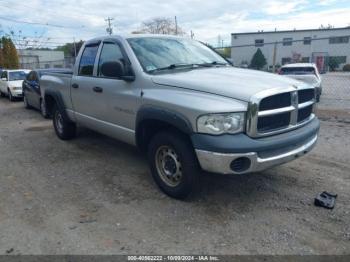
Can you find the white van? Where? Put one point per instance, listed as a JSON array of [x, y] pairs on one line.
[[305, 72], [11, 83]]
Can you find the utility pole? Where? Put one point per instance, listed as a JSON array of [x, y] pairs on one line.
[[175, 25], [274, 58], [109, 29], [75, 48], [192, 35]]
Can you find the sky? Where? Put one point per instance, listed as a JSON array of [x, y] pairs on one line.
[[48, 23]]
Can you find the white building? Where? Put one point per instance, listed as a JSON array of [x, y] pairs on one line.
[[313, 45], [34, 59]]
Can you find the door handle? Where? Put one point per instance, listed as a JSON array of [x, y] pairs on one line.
[[75, 85], [98, 89]]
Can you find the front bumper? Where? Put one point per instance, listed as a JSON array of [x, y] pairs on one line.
[[17, 92], [217, 154]]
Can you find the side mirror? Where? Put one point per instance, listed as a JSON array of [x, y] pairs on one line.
[[116, 70], [113, 69], [4, 79]]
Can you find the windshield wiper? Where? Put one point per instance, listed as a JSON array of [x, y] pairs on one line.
[[172, 66], [214, 63], [184, 65]]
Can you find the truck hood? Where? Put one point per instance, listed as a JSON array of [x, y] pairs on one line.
[[226, 81], [309, 79]]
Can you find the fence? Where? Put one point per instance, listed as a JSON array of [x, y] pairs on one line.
[[68, 62], [330, 54]]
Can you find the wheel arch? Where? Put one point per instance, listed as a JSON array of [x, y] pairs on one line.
[[151, 120], [52, 99]]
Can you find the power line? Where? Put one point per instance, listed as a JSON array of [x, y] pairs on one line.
[[37, 23]]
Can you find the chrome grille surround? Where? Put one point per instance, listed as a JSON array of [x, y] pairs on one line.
[[253, 112]]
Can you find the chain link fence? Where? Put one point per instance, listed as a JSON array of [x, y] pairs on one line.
[[63, 63], [331, 55]]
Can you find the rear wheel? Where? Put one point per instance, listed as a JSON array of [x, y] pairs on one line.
[[64, 128], [173, 164]]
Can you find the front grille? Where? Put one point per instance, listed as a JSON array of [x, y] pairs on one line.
[[277, 112], [274, 122], [306, 95], [275, 101], [304, 113]]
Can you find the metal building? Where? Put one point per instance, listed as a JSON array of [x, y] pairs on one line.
[[31, 59]]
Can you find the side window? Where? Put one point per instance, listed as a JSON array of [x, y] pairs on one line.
[[87, 61], [110, 53], [4, 74], [30, 76], [35, 76]]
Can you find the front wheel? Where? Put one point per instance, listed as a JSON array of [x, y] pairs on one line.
[[11, 98], [64, 128], [173, 164]]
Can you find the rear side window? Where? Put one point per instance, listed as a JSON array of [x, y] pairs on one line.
[[31, 76], [110, 53], [298, 70], [87, 61], [4, 74]]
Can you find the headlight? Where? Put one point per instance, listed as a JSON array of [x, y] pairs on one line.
[[217, 124]]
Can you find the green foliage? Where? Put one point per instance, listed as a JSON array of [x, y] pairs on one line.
[[69, 49], [227, 52], [346, 68], [333, 63], [9, 57], [258, 60]]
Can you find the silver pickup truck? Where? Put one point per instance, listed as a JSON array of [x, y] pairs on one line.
[[183, 105]]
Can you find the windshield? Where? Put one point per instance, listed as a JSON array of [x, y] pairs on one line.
[[156, 53], [17, 75], [298, 71]]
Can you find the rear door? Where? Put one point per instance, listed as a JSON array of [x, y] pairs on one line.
[[32, 90], [84, 101]]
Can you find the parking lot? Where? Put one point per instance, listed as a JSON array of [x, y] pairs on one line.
[[94, 195]]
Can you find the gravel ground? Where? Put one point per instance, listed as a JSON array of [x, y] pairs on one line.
[[94, 195], [336, 91]]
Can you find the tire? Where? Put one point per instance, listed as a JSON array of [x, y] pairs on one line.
[[64, 128], [171, 155], [43, 109], [11, 98], [25, 102]]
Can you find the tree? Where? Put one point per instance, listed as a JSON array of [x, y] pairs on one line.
[[9, 55], [69, 49], [160, 25], [258, 60], [333, 63]]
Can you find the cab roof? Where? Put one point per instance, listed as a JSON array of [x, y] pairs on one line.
[[299, 65]]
